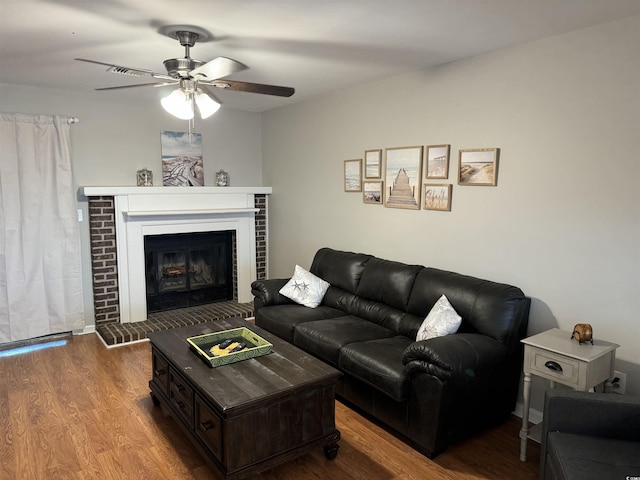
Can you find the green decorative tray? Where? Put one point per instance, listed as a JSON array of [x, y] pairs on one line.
[[203, 345]]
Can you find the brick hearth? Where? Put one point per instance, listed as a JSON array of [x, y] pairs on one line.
[[118, 333]]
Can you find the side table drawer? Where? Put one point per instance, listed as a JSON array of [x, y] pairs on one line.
[[543, 362], [208, 428], [181, 397]]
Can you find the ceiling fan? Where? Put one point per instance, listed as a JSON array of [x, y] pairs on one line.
[[194, 77]]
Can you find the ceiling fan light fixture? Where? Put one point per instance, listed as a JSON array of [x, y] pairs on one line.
[[178, 103], [206, 105]]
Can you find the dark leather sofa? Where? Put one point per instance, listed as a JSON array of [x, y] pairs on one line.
[[432, 392]]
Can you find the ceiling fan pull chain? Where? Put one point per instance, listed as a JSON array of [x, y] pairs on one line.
[[192, 123]]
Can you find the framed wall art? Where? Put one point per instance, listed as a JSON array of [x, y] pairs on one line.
[[372, 163], [182, 164], [353, 175], [372, 192], [402, 179], [437, 161], [437, 197], [478, 166]]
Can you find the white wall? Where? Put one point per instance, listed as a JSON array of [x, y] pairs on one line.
[[116, 137], [564, 221]]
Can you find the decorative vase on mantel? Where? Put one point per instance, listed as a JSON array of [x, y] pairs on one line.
[[222, 178], [144, 178]]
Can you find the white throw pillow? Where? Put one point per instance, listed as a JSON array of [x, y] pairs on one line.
[[305, 288], [442, 320]]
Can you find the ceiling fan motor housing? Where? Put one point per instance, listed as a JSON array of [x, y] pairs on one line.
[[180, 67]]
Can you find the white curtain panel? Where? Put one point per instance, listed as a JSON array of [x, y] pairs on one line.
[[40, 270]]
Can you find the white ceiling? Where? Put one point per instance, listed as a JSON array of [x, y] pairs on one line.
[[315, 46]]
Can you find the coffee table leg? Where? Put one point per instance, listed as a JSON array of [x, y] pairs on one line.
[[331, 450]]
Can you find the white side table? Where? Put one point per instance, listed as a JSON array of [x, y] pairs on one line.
[[555, 356]]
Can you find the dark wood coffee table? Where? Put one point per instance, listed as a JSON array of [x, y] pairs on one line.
[[248, 416]]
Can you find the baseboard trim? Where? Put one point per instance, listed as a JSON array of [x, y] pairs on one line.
[[535, 416], [86, 330]]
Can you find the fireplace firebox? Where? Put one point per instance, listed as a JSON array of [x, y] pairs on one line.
[[188, 269]]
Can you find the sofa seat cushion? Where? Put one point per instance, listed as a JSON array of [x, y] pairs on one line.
[[282, 319], [325, 338], [378, 363], [582, 457]]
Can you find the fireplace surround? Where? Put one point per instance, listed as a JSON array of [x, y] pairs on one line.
[[121, 218]]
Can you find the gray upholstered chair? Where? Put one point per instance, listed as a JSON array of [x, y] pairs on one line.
[[590, 436]]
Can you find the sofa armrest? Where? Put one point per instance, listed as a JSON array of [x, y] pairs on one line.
[[459, 356], [267, 292], [595, 414], [589, 414]]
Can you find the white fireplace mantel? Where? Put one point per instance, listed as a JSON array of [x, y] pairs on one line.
[[113, 191], [141, 211]]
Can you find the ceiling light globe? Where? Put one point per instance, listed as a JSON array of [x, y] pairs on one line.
[[206, 105], [178, 104]]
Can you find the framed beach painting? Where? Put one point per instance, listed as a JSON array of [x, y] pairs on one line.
[[402, 177], [478, 166], [182, 164], [437, 161], [372, 192], [372, 163], [437, 197], [353, 175]]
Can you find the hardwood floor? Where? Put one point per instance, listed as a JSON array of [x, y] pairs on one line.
[[82, 411]]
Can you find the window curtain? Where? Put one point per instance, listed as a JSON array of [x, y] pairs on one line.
[[40, 269]]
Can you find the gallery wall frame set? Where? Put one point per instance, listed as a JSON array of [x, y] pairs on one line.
[[398, 181]]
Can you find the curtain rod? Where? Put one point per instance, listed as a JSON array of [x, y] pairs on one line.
[[72, 120]]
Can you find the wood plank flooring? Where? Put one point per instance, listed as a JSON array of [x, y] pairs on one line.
[[82, 411]]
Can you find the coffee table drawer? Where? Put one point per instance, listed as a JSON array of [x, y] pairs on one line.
[[161, 371], [181, 396], [208, 427]]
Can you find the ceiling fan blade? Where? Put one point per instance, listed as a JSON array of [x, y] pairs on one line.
[[252, 87], [139, 85], [219, 67]]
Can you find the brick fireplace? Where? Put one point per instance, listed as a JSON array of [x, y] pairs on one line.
[[121, 217]]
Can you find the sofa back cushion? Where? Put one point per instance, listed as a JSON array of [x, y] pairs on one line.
[[399, 296], [341, 269], [486, 307], [387, 282]]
